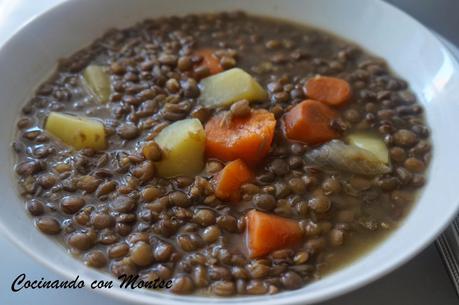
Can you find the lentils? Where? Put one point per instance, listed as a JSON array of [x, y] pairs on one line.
[[172, 85], [88, 183], [81, 240], [48, 225], [319, 203], [178, 198], [279, 167], [264, 202], [397, 153], [117, 68], [96, 259], [163, 252], [224, 288], [201, 72], [152, 151], [114, 210], [128, 131], [301, 257], [167, 59], [35, 207], [240, 109], [258, 270], [106, 188], [211, 234], [228, 223], [227, 62], [182, 285], [213, 167], [144, 171], [414, 165], [72, 204], [142, 254], [184, 63], [291, 280], [405, 138], [150, 193], [118, 250], [186, 243], [256, 287], [204, 217], [29, 168], [123, 204], [297, 185]]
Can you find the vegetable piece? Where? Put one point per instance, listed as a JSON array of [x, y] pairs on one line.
[[78, 132], [309, 122], [267, 233], [229, 180], [228, 87], [370, 142], [330, 90], [248, 138], [209, 60], [98, 82], [336, 155], [182, 144]]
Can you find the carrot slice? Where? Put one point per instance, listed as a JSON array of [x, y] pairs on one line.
[[209, 60], [330, 90], [229, 180], [267, 233], [309, 122], [248, 138]]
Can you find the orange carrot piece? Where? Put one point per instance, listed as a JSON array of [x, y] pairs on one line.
[[309, 122], [330, 90], [267, 233], [209, 60], [229, 180], [247, 138]]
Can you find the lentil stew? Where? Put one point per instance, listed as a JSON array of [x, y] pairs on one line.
[[232, 154]]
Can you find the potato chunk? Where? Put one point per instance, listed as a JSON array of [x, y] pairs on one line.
[[78, 132], [370, 142], [98, 82], [228, 87], [182, 144]]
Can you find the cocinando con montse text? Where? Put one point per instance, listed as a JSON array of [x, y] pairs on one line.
[[126, 282]]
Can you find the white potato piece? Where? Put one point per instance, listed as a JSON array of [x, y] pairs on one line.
[[182, 144], [227, 87], [78, 132], [98, 82], [370, 142]]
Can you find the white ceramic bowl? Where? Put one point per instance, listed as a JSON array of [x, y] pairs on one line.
[[411, 50]]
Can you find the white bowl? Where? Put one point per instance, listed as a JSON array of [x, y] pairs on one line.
[[411, 50]]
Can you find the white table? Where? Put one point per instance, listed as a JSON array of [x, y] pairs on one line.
[[421, 281]]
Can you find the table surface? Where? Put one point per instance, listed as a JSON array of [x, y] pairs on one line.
[[423, 280]]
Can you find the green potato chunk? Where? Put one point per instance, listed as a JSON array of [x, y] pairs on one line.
[[78, 132], [182, 144], [370, 142], [228, 87], [98, 82]]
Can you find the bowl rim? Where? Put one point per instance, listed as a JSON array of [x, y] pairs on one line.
[[379, 271]]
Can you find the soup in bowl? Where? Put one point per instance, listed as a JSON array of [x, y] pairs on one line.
[[233, 155]]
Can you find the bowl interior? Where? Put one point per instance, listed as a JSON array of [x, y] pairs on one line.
[[411, 50]]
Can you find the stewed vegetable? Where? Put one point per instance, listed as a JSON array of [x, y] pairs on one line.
[[182, 144], [78, 132], [229, 87], [98, 82]]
